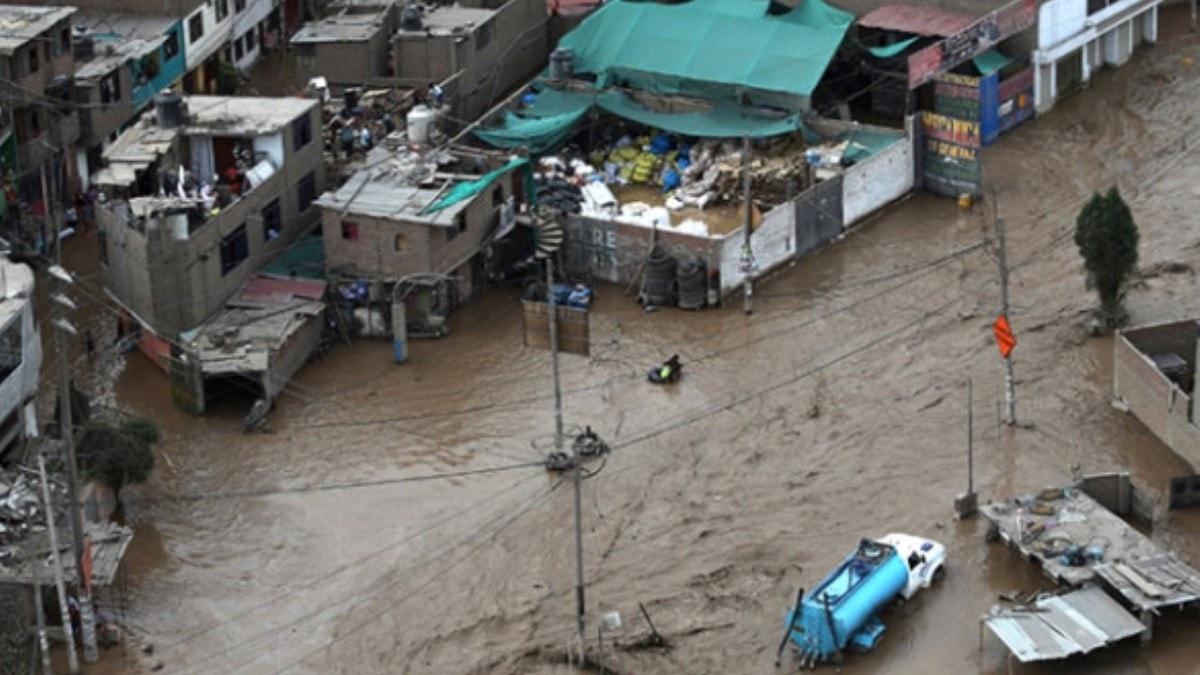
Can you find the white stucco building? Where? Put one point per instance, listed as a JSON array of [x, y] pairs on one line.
[[1075, 37]]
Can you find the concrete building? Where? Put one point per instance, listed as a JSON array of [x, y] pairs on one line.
[[1154, 377], [1077, 37], [173, 255], [20, 355], [122, 60], [495, 48], [36, 60], [380, 225], [213, 30], [350, 46]]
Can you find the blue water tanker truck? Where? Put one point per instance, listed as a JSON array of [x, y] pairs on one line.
[[842, 612]]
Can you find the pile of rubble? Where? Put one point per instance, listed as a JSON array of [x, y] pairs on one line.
[[21, 511]]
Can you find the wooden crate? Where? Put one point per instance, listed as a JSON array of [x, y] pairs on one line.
[[574, 328]]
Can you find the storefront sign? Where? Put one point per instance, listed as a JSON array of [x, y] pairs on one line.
[[984, 34], [950, 169], [957, 96], [1016, 100], [960, 132]]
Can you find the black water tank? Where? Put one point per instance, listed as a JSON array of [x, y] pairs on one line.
[[168, 106], [411, 17], [84, 47]]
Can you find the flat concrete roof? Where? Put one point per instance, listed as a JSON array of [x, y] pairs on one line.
[[388, 195], [341, 28], [114, 53], [243, 115], [451, 20], [19, 24]]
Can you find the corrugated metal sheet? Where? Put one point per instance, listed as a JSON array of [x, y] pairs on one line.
[[927, 21], [1063, 625], [279, 289]]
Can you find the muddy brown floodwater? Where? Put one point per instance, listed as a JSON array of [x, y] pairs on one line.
[[834, 412]]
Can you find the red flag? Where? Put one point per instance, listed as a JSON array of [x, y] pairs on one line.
[[1005, 339]]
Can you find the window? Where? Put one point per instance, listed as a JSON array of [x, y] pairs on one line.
[[460, 225], [349, 231], [196, 27], [306, 191], [301, 132], [237, 50], [401, 243], [222, 9], [64, 41], [497, 195], [483, 36], [14, 68], [234, 249], [250, 38], [102, 241], [239, 6], [272, 217], [110, 87], [10, 347], [1094, 6], [33, 57], [171, 46], [35, 123]]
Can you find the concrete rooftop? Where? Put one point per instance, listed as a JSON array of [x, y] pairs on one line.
[[19, 24], [341, 28]]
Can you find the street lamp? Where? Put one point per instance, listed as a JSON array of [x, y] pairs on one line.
[[610, 621]]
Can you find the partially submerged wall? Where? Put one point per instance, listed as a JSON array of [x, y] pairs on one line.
[[1139, 386]]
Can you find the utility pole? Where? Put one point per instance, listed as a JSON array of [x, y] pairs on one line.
[[747, 260], [966, 504], [575, 458], [63, 304], [43, 641], [56, 560], [1010, 394]]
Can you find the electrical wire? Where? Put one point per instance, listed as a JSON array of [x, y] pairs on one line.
[[356, 600], [353, 564]]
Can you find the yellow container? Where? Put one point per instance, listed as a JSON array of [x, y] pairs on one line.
[[965, 201]]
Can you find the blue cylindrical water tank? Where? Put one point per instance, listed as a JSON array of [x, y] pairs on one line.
[[865, 581]]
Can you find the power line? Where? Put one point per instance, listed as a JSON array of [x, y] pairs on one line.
[[441, 572], [356, 601], [474, 506]]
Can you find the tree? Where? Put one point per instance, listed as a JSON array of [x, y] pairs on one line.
[[228, 78], [118, 452], [1107, 239]]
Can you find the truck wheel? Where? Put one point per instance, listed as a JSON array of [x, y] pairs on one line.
[[939, 573], [992, 533]]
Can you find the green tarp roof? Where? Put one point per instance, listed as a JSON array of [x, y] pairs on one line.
[[546, 124], [470, 188], [681, 48], [305, 258], [888, 51], [990, 61]]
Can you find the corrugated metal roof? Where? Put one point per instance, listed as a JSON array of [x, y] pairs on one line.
[[1063, 625], [277, 289], [927, 21]]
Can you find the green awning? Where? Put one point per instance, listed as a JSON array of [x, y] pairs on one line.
[[532, 129], [990, 61], [688, 47], [470, 188], [305, 259], [888, 51]]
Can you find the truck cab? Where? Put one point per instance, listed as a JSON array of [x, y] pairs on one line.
[[925, 559]]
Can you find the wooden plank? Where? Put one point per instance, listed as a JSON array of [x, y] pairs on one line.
[[574, 327]]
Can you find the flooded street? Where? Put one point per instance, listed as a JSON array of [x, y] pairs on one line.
[[835, 412]]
